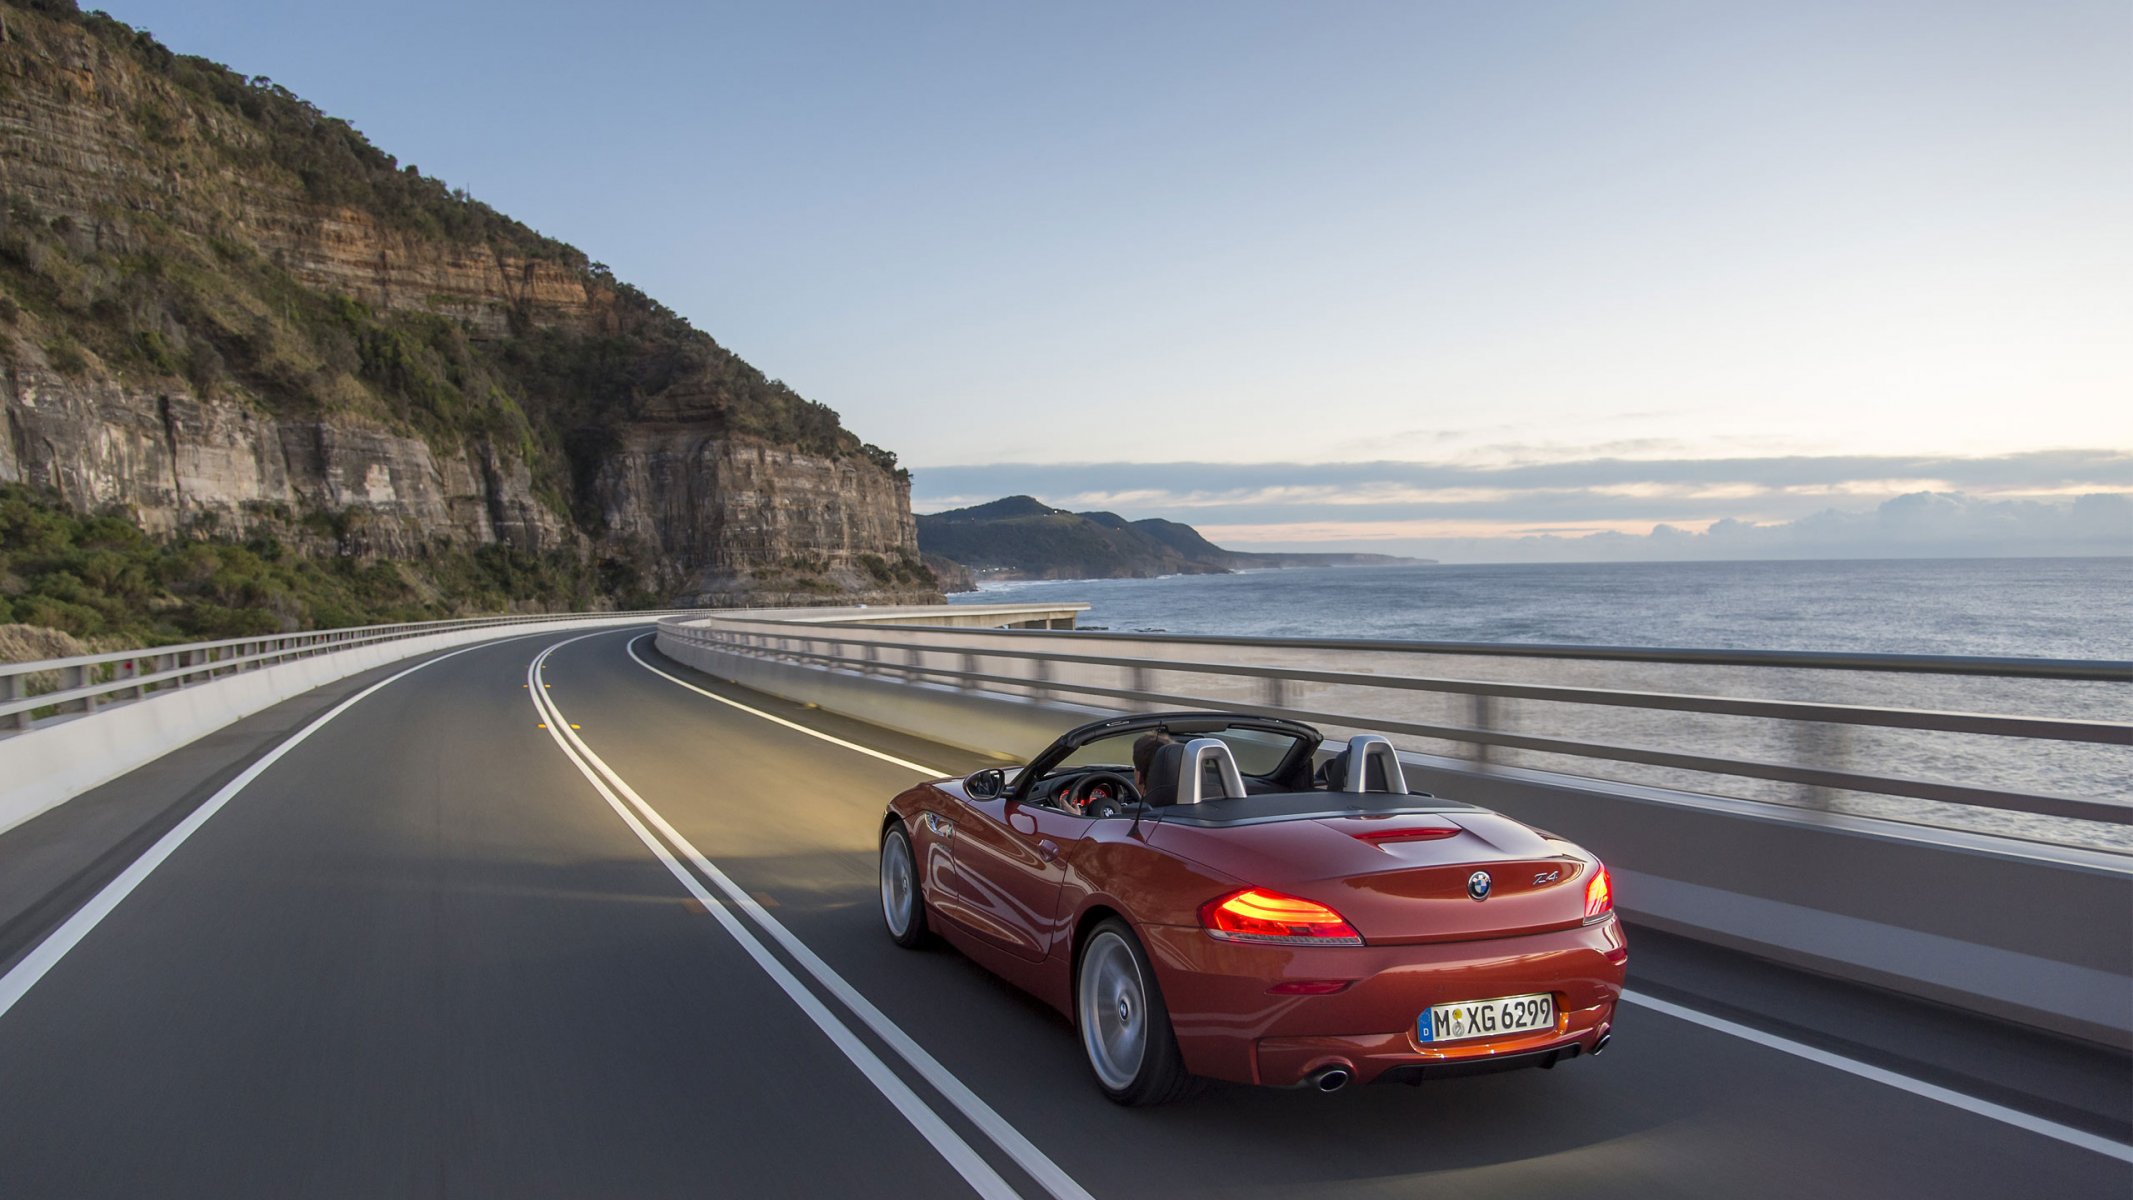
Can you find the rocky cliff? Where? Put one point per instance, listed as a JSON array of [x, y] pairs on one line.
[[226, 313]]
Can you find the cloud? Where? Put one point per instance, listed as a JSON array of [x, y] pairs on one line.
[[1770, 488], [2074, 499], [1920, 525], [2102, 470]]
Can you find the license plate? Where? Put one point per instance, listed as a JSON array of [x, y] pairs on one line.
[[1486, 1018]]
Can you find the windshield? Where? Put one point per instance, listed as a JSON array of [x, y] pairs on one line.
[[1113, 751], [1257, 752]]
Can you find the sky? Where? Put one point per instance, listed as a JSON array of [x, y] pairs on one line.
[[1467, 276]]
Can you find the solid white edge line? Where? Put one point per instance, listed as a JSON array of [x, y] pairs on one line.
[[959, 1154], [869, 751], [1917, 1087], [24, 974], [1039, 1166]]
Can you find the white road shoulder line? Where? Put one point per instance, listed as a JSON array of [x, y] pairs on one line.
[[1904, 1083], [869, 751], [24, 975], [1917, 1087], [951, 1147], [1025, 1153]]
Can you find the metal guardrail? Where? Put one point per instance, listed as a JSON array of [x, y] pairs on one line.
[[1041, 665], [88, 682]]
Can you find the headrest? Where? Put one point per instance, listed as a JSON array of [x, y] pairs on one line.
[[1218, 770], [1163, 772], [1380, 767]]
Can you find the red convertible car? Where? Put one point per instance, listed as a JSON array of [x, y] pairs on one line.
[[1243, 906]]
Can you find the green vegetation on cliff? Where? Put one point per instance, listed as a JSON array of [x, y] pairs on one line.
[[97, 577]]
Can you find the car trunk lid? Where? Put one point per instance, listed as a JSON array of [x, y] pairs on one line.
[[1411, 878]]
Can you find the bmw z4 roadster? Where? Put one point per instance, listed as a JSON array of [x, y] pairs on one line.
[[1213, 896]]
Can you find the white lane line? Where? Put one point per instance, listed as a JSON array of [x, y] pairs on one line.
[[869, 751], [1048, 1174], [951, 1147], [1917, 1087], [24, 975]]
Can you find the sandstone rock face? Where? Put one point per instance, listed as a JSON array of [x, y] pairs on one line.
[[105, 151], [177, 463], [70, 141], [733, 515]]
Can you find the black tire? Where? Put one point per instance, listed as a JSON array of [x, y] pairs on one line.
[[1117, 1002], [905, 898]]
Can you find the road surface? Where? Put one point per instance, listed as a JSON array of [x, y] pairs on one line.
[[546, 917]]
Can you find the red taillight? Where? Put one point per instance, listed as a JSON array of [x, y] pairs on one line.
[[1599, 894], [1256, 915]]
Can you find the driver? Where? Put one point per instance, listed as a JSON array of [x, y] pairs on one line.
[[1144, 757], [1074, 800]]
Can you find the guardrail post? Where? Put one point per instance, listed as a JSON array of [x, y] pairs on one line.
[[1819, 744], [1277, 691], [76, 677], [970, 667], [1482, 711], [1041, 690], [873, 665], [11, 688]]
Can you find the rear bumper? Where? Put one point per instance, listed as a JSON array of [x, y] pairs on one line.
[[1230, 1026]]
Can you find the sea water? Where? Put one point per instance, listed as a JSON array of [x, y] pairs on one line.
[[2006, 607]]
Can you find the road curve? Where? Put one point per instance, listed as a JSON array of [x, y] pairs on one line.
[[450, 945]]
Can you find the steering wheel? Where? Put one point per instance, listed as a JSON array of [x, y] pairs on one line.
[[1101, 794]]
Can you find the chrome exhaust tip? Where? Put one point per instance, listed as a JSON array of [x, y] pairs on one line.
[[1602, 1043], [1331, 1079]]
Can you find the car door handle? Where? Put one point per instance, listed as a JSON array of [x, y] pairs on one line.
[[1047, 849]]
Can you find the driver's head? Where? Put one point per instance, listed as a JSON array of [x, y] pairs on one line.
[[1144, 755]]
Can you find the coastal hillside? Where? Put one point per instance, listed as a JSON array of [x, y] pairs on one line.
[[1021, 537], [227, 318]]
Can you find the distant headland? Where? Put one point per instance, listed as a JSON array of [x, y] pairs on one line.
[[1021, 537]]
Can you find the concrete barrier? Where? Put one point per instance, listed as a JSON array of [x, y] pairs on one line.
[[55, 762], [2035, 934], [1000, 726]]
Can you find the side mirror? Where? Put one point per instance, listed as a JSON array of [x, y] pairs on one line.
[[987, 784]]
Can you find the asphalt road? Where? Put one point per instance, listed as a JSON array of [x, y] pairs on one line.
[[424, 953]]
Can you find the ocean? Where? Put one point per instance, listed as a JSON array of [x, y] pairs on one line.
[[2003, 607], [2065, 608]]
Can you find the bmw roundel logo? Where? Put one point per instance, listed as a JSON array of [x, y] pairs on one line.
[[1477, 885]]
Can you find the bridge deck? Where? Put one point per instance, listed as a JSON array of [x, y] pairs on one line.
[[419, 954]]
